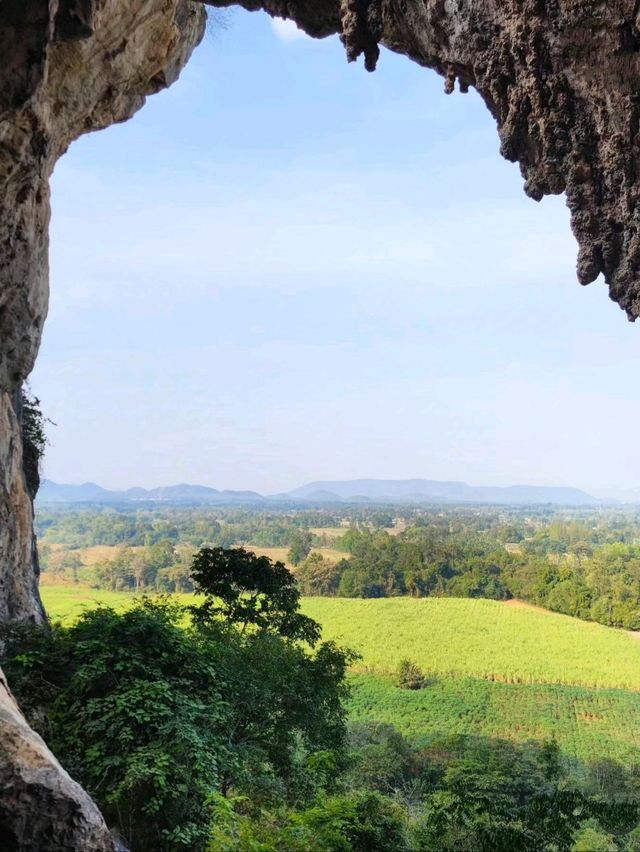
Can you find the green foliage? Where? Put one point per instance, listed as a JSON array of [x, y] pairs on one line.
[[33, 422], [588, 724], [300, 547], [581, 683], [318, 576], [484, 794], [591, 838], [362, 821], [154, 716], [246, 589], [133, 709], [285, 779], [410, 675], [586, 566], [227, 731]]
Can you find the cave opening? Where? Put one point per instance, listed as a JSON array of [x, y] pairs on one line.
[[490, 306], [287, 220]]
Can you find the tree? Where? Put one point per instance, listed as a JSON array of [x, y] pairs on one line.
[[246, 589], [300, 547], [592, 838], [155, 716], [410, 675], [63, 561], [318, 576], [362, 821], [139, 568]]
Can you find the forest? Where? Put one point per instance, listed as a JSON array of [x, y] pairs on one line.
[[584, 563]]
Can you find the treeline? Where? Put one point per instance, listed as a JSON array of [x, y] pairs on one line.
[[540, 529], [143, 528], [161, 567], [585, 563], [594, 582]]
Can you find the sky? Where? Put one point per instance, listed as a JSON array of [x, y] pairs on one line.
[[284, 269]]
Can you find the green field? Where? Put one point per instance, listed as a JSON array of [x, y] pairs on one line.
[[587, 723], [481, 638], [498, 670]]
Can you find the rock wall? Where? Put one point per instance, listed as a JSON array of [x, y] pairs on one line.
[[66, 67], [41, 808], [19, 597]]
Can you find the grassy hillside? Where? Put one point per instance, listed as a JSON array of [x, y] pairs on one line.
[[515, 672]]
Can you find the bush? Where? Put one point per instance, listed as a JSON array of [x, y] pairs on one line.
[[591, 838], [410, 676], [358, 822], [154, 716]]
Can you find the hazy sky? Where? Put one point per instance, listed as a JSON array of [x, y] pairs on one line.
[[284, 268]]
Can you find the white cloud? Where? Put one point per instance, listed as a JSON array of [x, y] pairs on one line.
[[287, 30]]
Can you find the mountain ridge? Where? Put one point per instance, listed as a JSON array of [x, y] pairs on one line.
[[447, 491], [328, 491]]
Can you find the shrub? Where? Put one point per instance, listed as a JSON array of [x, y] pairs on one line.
[[410, 676], [154, 716]]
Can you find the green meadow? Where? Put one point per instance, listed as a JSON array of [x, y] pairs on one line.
[[494, 669]]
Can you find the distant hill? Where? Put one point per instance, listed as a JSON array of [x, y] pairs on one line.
[[431, 490], [89, 492], [613, 495], [352, 491]]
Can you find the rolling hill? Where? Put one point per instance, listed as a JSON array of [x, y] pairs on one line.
[[353, 491], [417, 490]]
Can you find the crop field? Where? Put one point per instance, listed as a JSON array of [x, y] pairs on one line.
[[280, 553], [587, 723], [65, 601], [480, 638], [520, 673]]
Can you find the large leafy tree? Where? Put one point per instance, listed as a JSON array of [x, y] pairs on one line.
[[154, 713], [246, 589]]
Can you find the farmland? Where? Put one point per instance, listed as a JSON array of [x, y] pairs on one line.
[[586, 723], [518, 673], [481, 638]]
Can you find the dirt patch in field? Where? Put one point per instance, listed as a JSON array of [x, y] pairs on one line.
[[589, 717], [516, 602]]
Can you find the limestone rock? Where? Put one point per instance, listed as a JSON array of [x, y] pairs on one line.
[[19, 597], [41, 808], [66, 67]]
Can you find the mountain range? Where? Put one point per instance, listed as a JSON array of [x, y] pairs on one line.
[[431, 490], [89, 492], [357, 490]]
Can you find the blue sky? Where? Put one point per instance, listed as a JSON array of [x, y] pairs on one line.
[[284, 269]]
